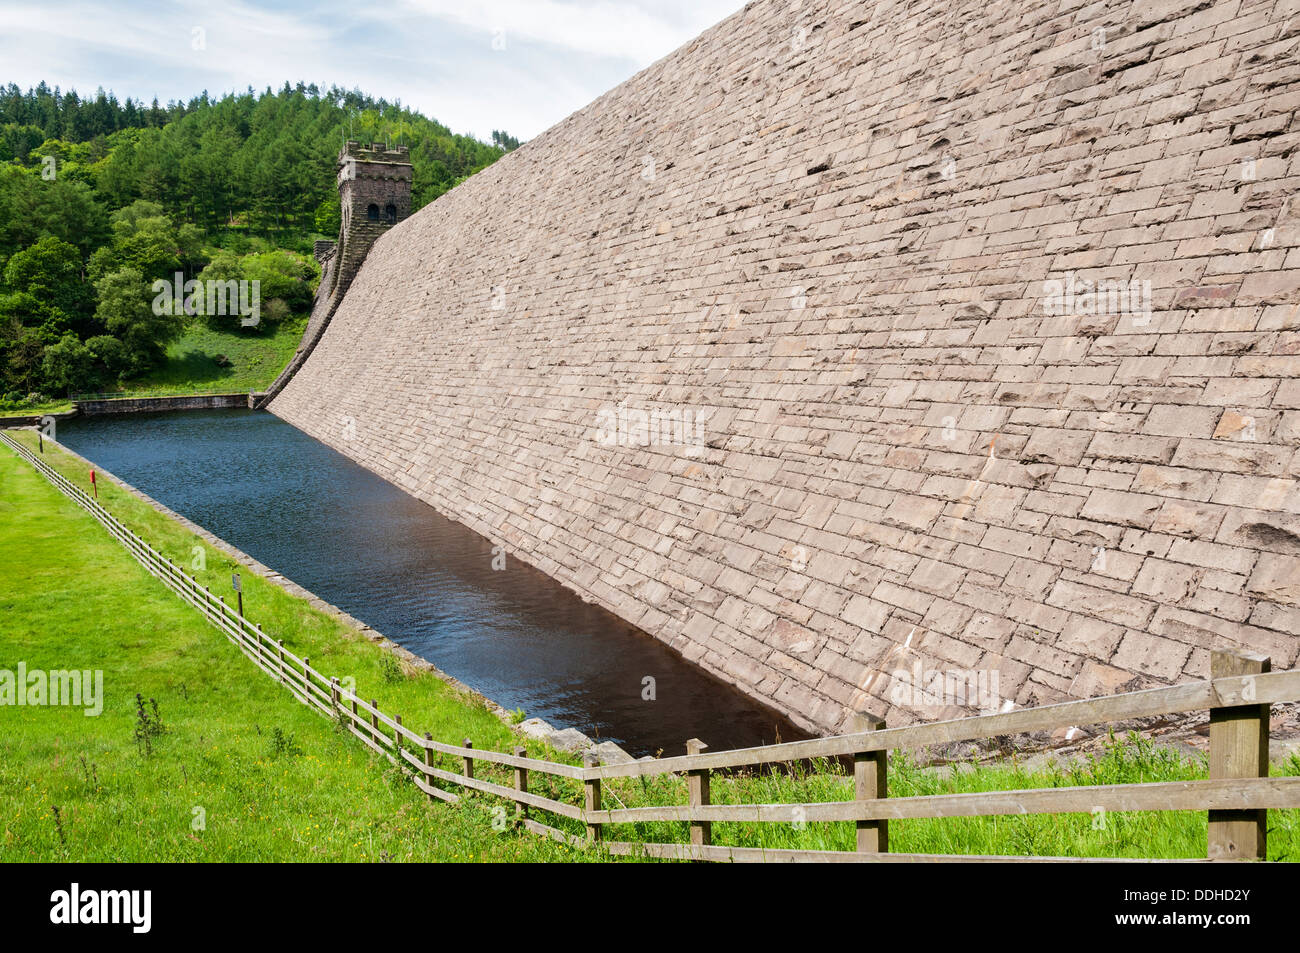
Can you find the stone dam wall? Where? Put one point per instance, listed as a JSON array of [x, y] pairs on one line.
[[857, 340]]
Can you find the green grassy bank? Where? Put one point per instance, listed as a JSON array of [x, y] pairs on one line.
[[206, 360], [270, 779], [278, 782]]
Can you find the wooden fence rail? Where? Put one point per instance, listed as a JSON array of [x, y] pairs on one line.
[[1236, 797]]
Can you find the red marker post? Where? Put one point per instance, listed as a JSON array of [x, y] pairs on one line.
[[93, 485]]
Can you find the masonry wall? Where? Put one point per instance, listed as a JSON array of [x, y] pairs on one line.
[[829, 228], [153, 405]]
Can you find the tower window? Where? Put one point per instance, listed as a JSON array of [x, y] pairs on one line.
[[390, 213], [372, 213]]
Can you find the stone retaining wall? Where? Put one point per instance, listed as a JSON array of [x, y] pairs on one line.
[[143, 405]]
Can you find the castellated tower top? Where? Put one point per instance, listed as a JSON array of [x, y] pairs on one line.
[[375, 152], [374, 184], [374, 195]]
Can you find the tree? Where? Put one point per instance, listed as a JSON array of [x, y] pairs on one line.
[[20, 357], [141, 192], [285, 276], [126, 311], [144, 238], [68, 211], [110, 354], [50, 271], [329, 215], [67, 365]]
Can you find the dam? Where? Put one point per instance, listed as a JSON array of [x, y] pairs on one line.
[[985, 317]]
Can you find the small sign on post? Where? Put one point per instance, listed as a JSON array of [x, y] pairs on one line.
[[93, 485], [239, 591]]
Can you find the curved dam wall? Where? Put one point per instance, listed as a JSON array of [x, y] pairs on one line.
[[854, 342]]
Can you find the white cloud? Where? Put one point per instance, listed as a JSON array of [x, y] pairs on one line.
[[608, 28], [433, 55]]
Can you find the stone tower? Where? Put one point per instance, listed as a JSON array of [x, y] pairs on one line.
[[374, 195]]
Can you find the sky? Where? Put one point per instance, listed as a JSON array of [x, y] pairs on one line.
[[474, 65]]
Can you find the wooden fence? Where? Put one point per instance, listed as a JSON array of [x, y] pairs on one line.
[[1237, 796]]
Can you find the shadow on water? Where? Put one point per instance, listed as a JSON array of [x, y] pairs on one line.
[[425, 581]]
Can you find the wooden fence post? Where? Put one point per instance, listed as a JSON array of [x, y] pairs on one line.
[[469, 762], [1238, 749], [306, 677], [428, 760], [591, 795], [334, 693], [397, 738], [871, 781], [279, 644], [374, 720], [521, 783], [697, 786]]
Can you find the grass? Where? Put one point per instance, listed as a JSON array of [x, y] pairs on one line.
[[45, 407], [242, 772], [1124, 760], [277, 782], [253, 360], [251, 363]]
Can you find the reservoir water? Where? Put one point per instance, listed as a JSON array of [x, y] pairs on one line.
[[425, 581]]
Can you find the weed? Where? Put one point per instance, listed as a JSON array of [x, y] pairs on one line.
[[58, 826], [283, 744], [340, 721], [390, 669], [148, 725]]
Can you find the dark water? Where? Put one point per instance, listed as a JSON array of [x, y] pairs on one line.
[[425, 581]]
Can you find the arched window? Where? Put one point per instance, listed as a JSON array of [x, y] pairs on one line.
[[372, 213], [390, 213]]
